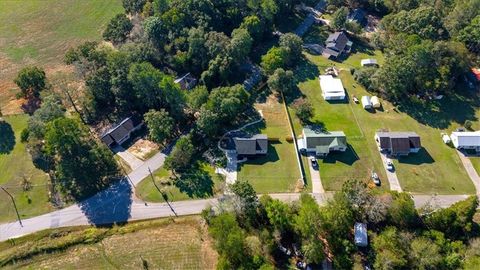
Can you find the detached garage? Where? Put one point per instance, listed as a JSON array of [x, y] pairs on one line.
[[332, 88]]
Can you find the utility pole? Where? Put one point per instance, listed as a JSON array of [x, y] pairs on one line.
[[14, 205], [161, 192]]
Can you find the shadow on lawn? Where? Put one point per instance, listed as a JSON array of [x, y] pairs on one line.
[[305, 71], [7, 138], [348, 157], [195, 183], [109, 206], [422, 157], [440, 113], [271, 156]]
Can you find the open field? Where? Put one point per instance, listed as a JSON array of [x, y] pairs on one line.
[[15, 166], [40, 32], [202, 183], [182, 243], [278, 170], [436, 169]]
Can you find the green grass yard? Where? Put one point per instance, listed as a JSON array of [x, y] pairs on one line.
[[15, 165], [436, 169], [182, 243], [202, 184], [40, 32], [278, 170]]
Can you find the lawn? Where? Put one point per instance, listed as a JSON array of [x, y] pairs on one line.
[[201, 183], [182, 243], [436, 169], [40, 32], [15, 166], [278, 170]]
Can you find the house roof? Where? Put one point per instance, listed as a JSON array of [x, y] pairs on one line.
[[369, 61], [331, 87], [366, 101], [250, 145], [469, 138], [315, 138], [337, 41], [357, 15], [399, 142], [119, 131]]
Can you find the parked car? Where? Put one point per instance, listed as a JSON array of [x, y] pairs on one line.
[[285, 250], [314, 162], [389, 164], [375, 178]]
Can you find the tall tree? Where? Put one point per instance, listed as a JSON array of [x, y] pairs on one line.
[[118, 29], [31, 80], [160, 125]]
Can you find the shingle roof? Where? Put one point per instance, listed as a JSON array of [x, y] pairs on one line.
[[118, 132], [250, 145], [316, 138], [337, 41], [399, 142]]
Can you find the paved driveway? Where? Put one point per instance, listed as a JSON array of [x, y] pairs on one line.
[[128, 157], [391, 175], [472, 173], [317, 186]]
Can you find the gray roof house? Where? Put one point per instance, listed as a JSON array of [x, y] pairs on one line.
[[322, 143], [358, 15], [337, 44], [121, 132], [186, 82], [250, 146], [398, 143]]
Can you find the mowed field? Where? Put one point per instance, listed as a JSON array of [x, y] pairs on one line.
[[436, 169], [278, 170], [34, 32], [15, 166], [182, 243]]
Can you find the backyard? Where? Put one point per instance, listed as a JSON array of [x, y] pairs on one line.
[[40, 32], [278, 170], [435, 169], [28, 185], [202, 182], [182, 243]]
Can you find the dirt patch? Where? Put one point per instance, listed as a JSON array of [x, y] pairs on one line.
[[144, 149]]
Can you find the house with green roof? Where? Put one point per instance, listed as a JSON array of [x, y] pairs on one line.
[[320, 142]]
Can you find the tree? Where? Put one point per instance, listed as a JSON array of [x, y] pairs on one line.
[[470, 35], [339, 18], [254, 26], [100, 98], [160, 125], [50, 110], [209, 122], [118, 29], [279, 214], [282, 81], [133, 6], [293, 44], [82, 166], [240, 45], [228, 102], [31, 80], [181, 155], [145, 80], [364, 76], [366, 206], [402, 212], [247, 202], [276, 57], [197, 97], [303, 109], [425, 254], [391, 250]]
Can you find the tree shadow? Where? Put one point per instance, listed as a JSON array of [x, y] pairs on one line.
[[196, 183], [305, 71], [271, 156], [348, 157], [7, 138], [109, 206], [440, 113], [422, 157], [31, 105]]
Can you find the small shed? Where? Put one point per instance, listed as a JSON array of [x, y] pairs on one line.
[[368, 62], [367, 103], [446, 139], [376, 102], [361, 237]]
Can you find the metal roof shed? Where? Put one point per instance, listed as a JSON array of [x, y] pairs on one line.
[[366, 102], [361, 237]]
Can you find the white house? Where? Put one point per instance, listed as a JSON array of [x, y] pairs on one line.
[[368, 62], [376, 102], [466, 140], [332, 88]]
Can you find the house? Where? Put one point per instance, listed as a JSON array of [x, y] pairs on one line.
[[360, 232], [251, 146], [186, 82], [375, 102], [398, 143], [336, 45], [332, 88], [367, 103], [466, 140], [369, 62], [359, 16], [121, 132], [322, 143]]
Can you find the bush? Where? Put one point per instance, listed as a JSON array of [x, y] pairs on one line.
[[303, 109], [24, 135], [468, 124]]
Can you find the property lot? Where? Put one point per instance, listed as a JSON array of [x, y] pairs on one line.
[[200, 183], [435, 169], [157, 244], [278, 170], [18, 175], [40, 32]]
